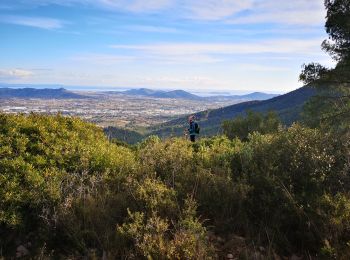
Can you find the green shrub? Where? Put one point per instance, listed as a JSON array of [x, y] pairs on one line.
[[65, 187], [154, 237], [242, 126], [47, 162]]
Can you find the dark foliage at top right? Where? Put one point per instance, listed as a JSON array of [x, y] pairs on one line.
[[331, 107]]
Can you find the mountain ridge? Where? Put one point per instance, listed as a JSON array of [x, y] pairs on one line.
[[46, 93], [38, 91], [187, 95], [161, 93]]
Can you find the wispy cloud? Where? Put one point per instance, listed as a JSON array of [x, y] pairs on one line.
[[202, 52], [214, 9], [103, 59], [297, 12], [180, 81], [301, 17], [304, 12], [15, 73], [152, 29], [37, 22], [262, 68], [277, 46], [135, 5]]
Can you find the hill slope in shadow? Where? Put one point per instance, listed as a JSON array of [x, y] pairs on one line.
[[287, 106]]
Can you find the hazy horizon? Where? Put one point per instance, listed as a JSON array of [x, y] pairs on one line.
[[200, 92], [208, 45]]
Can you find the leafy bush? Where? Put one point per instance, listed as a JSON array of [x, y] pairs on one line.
[[47, 162], [241, 126], [157, 238]]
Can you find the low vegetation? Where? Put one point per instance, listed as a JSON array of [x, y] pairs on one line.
[[241, 126], [68, 192]]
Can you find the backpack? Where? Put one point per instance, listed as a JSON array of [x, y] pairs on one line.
[[196, 128]]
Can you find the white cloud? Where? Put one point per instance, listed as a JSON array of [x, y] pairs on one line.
[[189, 9], [300, 12], [182, 81], [37, 22], [195, 52], [111, 59], [214, 9], [297, 12], [136, 5], [102, 59], [308, 17], [15, 73], [151, 29], [261, 68]]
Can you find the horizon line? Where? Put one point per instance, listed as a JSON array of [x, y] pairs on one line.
[[125, 88]]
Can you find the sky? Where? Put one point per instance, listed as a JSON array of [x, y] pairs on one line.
[[211, 45]]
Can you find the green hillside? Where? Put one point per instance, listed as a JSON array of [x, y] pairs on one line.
[[287, 106], [68, 193], [124, 135]]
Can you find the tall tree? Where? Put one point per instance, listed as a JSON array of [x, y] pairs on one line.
[[331, 107]]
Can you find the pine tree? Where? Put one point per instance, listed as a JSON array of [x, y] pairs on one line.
[[331, 107]]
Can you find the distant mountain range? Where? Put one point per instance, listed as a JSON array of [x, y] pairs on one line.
[[47, 93], [287, 106], [57, 91], [181, 94]]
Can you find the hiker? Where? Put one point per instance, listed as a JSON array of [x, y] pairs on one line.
[[193, 130]]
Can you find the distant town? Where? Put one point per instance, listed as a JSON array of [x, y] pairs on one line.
[[138, 108]]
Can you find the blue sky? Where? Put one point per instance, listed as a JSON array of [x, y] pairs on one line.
[[236, 45]]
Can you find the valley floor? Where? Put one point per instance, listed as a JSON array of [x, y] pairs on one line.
[[115, 109]]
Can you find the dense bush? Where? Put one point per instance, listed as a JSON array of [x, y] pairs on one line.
[[242, 126], [47, 164], [64, 187], [276, 188]]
